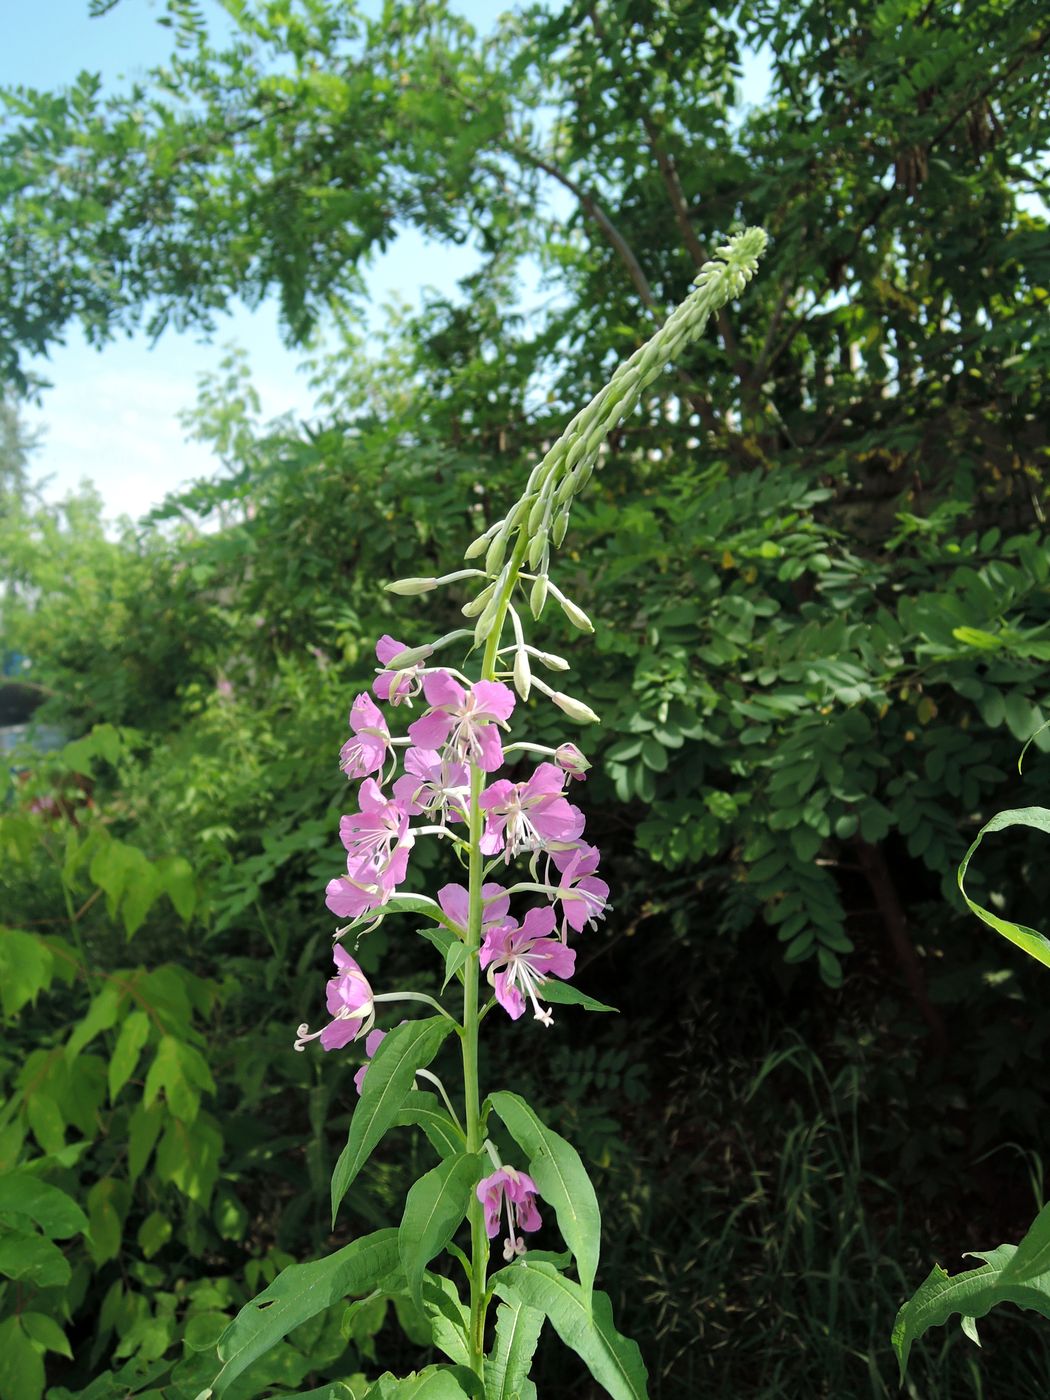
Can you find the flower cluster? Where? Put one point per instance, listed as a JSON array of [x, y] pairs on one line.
[[419, 786]]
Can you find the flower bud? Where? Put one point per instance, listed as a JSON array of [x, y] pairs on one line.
[[575, 709], [496, 552], [477, 605], [411, 656], [479, 545], [522, 673], [565, 490], [560, 526], [576, 615], [407, 587], [537, 545], [538, 596], [552, 662], [570, 760], [539, 513]]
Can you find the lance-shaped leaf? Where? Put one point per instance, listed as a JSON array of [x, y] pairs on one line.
[[57, 1214], [555, 1166], [1033, 943], [976, 1291], [565, 994], [387, 1085], [296, 1294], [434, 1208], [585, 1325], [432, 1384], [518, 1330], [422, 1110]]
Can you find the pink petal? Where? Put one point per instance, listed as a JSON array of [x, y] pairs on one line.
[[387, 649], [546, 778], [491, 842], [338, 1034], [491, 749], [431, 730], [441, 690], [537, 923], [509, 997], [494, 698], [455, 902], [497, 794], [551, 958], [364, 714], [499, 908]]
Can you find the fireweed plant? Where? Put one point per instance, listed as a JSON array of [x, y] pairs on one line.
[[530, 885]]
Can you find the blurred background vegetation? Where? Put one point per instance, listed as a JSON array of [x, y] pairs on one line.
[[818, 563]]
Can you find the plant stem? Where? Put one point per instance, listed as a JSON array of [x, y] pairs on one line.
[[472, 1103], [471, 1020]]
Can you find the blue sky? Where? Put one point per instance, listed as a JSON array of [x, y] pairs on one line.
[[112, 417]]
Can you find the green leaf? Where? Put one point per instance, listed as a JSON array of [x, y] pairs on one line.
[[154, 1233], [26, 966], [584, 1325], [431, 1384], [46, 1331], [434, 1209], [555, 1166], [296, 1294], [101, 1015], [387, 1084], [448, 1316], [144, 1128], [133, 1035], [31, 1259], [517, 1331], [55, 1213], [565, 994], [973, 1293], [21, 1365], [180, 884], [182, 1073], [107, 1203], [455, 956], [1033, 943], [421, 1109]]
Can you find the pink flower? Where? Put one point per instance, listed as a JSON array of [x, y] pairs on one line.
[[520, 960], [465, 720], [372, 1044], [584, 898], [362, 888], [366, 750], [378, 835], [349, 1000], [433, 787], [570, 760], [455, 902], [515, 1192], [526, 816], [394, 686]]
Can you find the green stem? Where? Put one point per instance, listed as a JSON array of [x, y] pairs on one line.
[[479, 1297]]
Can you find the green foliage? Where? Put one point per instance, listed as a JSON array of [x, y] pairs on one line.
[[817, 568], [1018, 1274]]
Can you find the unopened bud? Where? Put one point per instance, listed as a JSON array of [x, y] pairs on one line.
[[537, 545], [522, 673], [411, 656], [560, 526], [480, 545], [576, 615], [539, 513], [477, 605], [570, 760], [407, 587], [575, 709], [497, 552], [538, 596], [552, 662]]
